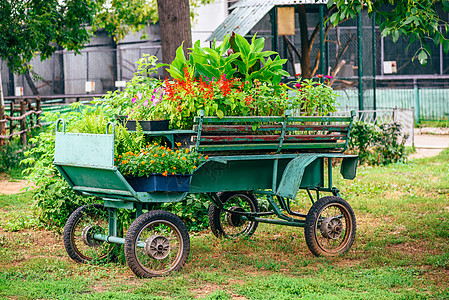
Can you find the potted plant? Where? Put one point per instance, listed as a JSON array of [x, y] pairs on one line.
[[159, 168], [141, 100]]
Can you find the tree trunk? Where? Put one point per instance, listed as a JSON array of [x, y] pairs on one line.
[[174, 23], [31, 83], [305, 45], [2, 102]]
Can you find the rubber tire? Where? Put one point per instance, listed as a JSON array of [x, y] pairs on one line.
[[68, 235], [311, 230], [215, 222], [134, 232]]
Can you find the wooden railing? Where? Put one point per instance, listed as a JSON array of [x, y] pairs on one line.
[[24, 115]]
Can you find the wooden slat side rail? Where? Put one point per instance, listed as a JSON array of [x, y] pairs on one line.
[[271, 138], [288, 146], [271, 134], [264, 128]]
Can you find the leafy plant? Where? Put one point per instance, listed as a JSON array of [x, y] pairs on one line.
[[312, 97], [142, 97], [378, 144], [11, 153], [252, 63], [235, 57]]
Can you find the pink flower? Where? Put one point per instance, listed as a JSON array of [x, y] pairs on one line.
[[145, 103], [319, 75], [139, 95], [328, 77], [134, 100], [298, 85]]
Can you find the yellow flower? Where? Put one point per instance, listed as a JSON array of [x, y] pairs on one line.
[[194, 167], [187, 150], [174, 168], [155, 155], [143, 163], [178, 144], [163, 154], [151, 161], [184, 158]]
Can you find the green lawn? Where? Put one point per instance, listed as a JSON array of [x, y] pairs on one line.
[[401, 251]]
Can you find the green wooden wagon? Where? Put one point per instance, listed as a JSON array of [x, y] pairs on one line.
[[250, 158]]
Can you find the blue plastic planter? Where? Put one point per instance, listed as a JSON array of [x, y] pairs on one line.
[[160, 183]]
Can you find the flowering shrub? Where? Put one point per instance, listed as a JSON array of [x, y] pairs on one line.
[[142, 97], [220, 97], [313, 97], [158, 159]]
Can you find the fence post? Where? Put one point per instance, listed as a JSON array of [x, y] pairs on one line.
[[11, 122], [23, 122], [38, 108], [417, 110], [2, 124]]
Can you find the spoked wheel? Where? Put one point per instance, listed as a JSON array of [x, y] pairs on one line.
[[227, 224], [330, 227], [79, 229], [156, 243]]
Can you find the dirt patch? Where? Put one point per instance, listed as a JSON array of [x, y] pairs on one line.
[[423, 152], [9, 186]]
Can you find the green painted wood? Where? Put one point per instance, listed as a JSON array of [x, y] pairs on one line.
[[244, 173], [114, 203], [349, 167], [272, 138], [312, 165], [84, 149], [319, 119], [298, 146], [261, 119], [293, 175], [262, 128]]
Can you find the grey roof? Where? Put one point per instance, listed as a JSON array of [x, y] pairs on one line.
[[247, 13]]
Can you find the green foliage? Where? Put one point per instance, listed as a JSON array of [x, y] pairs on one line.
[[193, 211], [11, 153], [29, 28], [142, 96], [378, 144], [416, 19], [252, 63], [313, 97], [234, 58], [54, 199]]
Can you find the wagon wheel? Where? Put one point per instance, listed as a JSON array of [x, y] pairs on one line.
[[156, 243], [226, 224], [330, 227], [79, 229]]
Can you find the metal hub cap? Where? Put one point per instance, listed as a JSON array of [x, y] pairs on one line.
[[331, 228], [157, 247], [88, 236], [233, 219]]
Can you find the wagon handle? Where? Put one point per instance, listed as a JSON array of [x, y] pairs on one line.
[[109, 126], [63, 125]]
